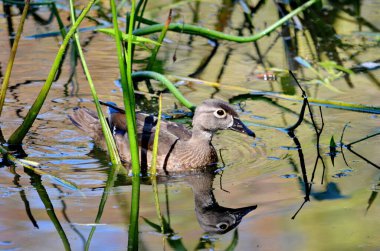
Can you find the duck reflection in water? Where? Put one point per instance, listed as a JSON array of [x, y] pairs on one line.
[[212, 217], [179, 149]]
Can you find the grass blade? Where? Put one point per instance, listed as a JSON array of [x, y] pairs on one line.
[[152, 58], [135, 39], [167, 83], [313, 101], [17, 137], [153, 168], [111, 146], [12, 56], [212, 34]]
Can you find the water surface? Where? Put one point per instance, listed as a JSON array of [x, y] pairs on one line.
[[342, 213]]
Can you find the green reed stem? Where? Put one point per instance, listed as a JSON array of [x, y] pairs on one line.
[[62, 28], [167, 83], [135, 168], [141, 3], [107, 189], [323, 102], [200, 31], [12, 56], [157, 203], [234, 242], [133, 231], [128, 91], [17, 137], [152, 58], [312, 101], [50, 4], [129, 104], [153, 167], [110, 142]]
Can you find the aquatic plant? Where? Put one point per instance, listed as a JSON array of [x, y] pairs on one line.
[[20, 133], [125, 42], [4, 86]]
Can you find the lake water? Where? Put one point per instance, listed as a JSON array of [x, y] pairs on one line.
[[343, 211]]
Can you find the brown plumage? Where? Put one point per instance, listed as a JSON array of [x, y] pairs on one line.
[[179, 148]]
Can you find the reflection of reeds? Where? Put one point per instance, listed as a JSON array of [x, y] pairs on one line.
[[125, 60], [17, 137], [212, 34]]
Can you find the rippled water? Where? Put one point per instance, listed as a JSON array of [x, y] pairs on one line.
[[342, 213]]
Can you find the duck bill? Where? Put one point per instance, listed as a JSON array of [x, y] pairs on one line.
[[238, 126], [243, 211]]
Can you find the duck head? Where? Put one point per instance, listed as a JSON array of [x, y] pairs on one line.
[[213, 115]]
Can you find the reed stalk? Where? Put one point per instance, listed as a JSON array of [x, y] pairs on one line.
[[313, 101], [212, 34], [153, 167], [153, 170], [152, 58], [17, 137], [110, 142], [133, 240], [125, 66], [12, 56], [161, 78], [133, 231], [127, 87]]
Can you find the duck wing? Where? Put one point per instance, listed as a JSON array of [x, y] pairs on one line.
[[170, 132], [146, 124]]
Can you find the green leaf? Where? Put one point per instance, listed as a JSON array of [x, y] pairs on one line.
[[332, 142], [333, 151], [135, 39], [333, 65], [153, 225]]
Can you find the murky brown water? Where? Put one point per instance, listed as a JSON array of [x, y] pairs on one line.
[[265, 172]]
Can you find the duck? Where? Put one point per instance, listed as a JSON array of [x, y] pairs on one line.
[[179, 148]]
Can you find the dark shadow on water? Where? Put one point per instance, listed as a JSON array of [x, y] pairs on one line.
[[25, 200]]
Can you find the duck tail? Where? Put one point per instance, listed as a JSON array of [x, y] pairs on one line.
[[87, 121]]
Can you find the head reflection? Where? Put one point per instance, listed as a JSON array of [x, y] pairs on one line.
[[212, 217]]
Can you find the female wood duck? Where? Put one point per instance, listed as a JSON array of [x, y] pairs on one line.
[[179, 149]]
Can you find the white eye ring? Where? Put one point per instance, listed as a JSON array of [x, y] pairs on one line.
[[220, 113], [222, 225]]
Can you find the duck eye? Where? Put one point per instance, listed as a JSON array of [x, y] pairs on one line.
[[222, 225], [220, 113]]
